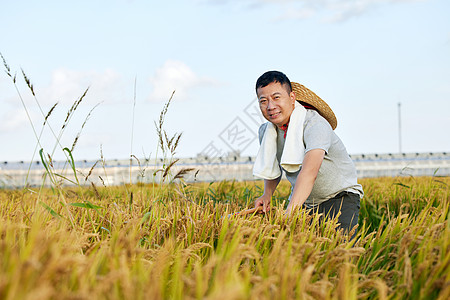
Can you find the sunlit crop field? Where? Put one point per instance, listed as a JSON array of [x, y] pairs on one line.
[[177, 241]]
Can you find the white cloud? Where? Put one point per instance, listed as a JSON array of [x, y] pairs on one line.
[[65, 87], [175, 75], [68, 85], [334, 10], [14, 120]]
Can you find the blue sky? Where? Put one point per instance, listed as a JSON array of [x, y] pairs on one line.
[[362, 57]]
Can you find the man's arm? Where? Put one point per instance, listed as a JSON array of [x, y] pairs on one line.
[[306, 178], [269, 189]]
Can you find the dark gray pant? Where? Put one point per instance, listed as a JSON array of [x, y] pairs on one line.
[[345, 202]]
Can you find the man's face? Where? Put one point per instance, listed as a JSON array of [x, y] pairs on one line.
[[276, 103]]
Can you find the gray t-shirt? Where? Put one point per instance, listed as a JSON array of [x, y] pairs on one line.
[[337, 172]]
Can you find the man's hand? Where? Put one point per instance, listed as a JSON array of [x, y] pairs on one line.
[[269, 187], [291, 208], [263, 201]]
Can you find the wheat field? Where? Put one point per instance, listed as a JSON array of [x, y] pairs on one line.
[[178, 241]]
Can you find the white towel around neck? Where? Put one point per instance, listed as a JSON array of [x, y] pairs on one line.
[[266, 163]]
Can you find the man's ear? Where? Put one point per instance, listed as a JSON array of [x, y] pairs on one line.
[[293, 98]]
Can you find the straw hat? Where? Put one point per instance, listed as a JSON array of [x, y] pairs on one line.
[[307, 96]]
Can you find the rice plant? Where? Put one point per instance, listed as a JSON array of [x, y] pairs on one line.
[[192, 249]]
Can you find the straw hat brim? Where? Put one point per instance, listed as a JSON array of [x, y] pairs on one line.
[[303, 94]]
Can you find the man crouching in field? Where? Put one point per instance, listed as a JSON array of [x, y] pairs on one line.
[[299, 139]]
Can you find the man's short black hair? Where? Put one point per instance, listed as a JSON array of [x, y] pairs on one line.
[[273, 76]]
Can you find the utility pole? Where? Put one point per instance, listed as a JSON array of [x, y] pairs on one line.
[[399, 129]]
